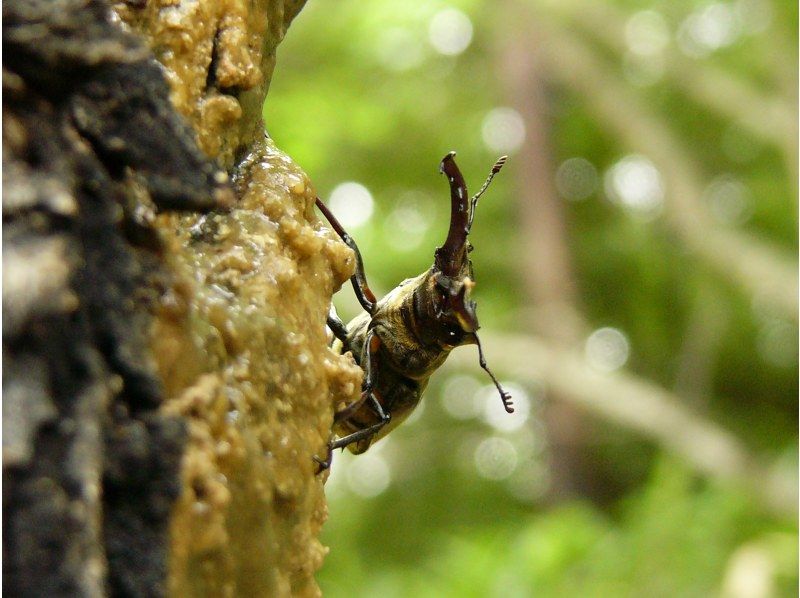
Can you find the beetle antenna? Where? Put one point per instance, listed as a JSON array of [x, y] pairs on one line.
[[473, 202], [505, 396]]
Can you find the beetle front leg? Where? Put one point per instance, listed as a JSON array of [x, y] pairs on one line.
[[363, 293], [338, 327], [369, 361], [368, 432], [322, 465], [358, 436]]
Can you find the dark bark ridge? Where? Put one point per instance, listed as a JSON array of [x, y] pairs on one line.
[[91, 149]]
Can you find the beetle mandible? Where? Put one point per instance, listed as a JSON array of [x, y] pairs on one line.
[[402, 339]]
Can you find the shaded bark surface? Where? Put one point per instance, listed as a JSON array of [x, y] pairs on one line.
[[91, 149], [168, 377]]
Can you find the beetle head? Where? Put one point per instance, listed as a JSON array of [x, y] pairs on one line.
[[455, 311], [452, 269]]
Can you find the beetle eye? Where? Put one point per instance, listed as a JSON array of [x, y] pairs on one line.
[[453, 334]]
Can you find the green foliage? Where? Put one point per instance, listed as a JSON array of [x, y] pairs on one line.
[[672, 538]]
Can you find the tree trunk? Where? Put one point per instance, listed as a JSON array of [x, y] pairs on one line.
[[167, 379]]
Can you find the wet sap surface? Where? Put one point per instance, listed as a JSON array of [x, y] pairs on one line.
[[239, 337], [242, 347]]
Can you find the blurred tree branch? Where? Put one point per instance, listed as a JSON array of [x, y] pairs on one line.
[[551, 292], [707, 321], [762, 270], [548, 273], [644, 407]]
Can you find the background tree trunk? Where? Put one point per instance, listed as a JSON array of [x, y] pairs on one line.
[[167, 378]]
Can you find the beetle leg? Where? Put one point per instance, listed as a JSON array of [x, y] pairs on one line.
[[371, 346], [366, 432], [337, 327], [368, 363], [323, 465], [355, 436], [363, 293], [361, 434], [376, 406]]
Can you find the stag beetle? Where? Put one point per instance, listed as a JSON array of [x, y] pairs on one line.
[[402, 339]]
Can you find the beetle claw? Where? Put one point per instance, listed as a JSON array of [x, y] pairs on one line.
[[326, 463]]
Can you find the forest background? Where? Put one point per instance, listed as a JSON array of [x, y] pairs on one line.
[[637, 286]]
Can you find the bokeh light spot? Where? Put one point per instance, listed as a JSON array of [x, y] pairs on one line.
[[398, 49], [368, 475], [407, 224], [647, 36], [352, 204], [729, 200], [647, 33], [708, 29], [450, 31], [607, 349], [503, 130], [576, 179], [495, 458], [459, 397], [635, 183]]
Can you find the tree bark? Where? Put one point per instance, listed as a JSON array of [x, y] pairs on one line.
[[167, 378]]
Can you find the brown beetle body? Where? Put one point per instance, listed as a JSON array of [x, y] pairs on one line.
[[402, 339], [407, 356]]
